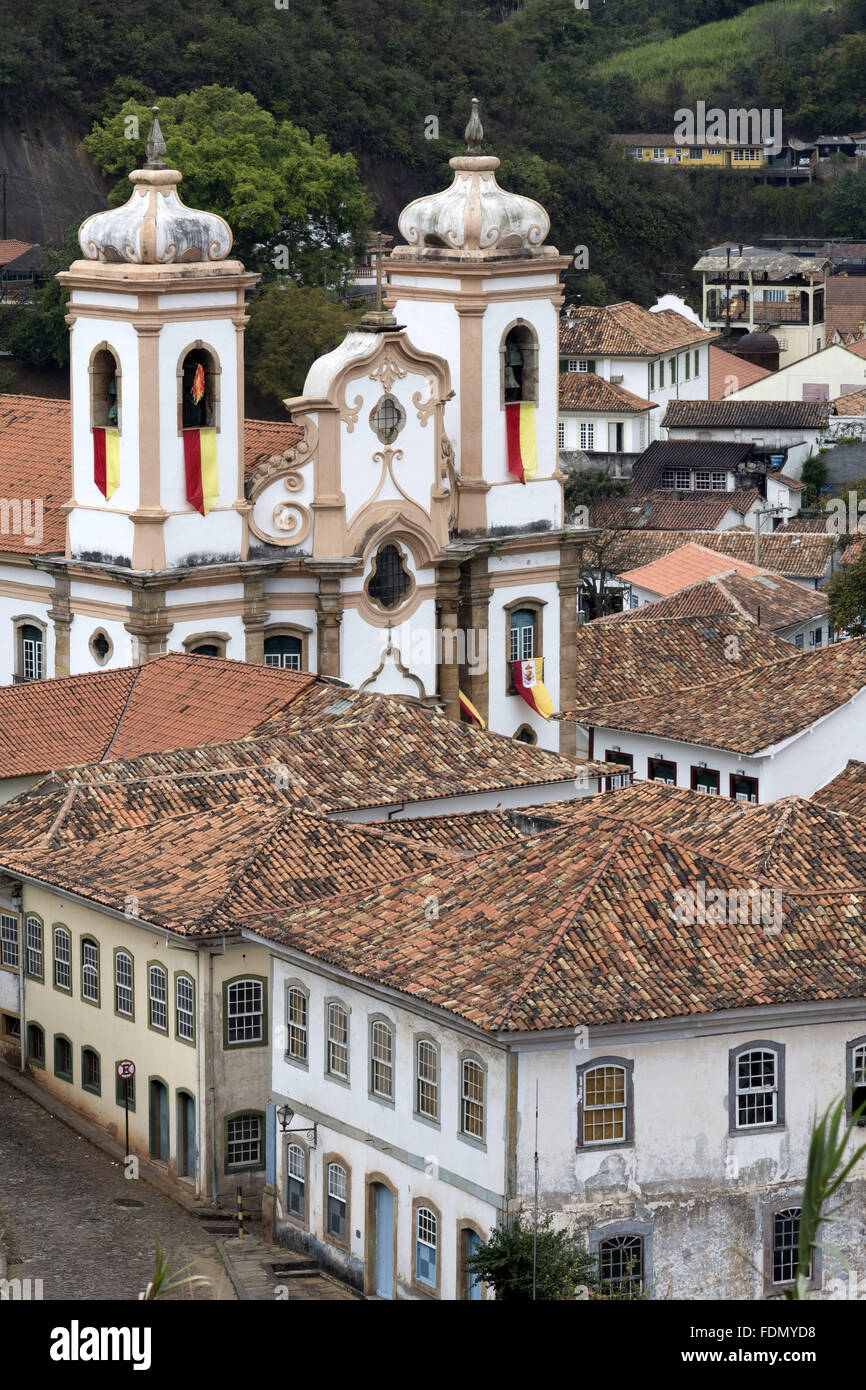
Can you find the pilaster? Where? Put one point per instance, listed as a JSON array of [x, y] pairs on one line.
[[60, 614], [448, 653]]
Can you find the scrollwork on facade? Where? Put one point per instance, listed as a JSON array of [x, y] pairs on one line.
[[388, 371]]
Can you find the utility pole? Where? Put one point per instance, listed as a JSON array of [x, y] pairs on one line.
[[765, 511], [535, 1214]]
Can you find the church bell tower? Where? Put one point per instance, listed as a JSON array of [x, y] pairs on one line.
[[156, 315]]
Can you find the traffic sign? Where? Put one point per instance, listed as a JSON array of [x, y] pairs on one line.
[[125, 1070]]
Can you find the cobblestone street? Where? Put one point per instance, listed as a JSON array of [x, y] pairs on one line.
[[59, 1213]]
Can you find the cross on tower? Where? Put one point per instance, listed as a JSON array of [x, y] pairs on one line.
[[376, 250]]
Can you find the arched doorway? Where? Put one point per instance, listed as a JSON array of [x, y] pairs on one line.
[[185, 1135], [381, 1240], [159, 1138]]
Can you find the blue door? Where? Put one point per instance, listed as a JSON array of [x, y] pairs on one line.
[[473, 1285], [158, 1120], [384, 1242]]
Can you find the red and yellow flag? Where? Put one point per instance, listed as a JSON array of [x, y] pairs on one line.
[[520, 439], [200, 467], [198, 384], [106, 460], [526, 676], [469, 709]]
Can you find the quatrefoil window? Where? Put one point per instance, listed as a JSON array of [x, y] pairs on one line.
[[388, 418], [390, 581]]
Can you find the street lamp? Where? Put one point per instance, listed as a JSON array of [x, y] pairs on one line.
[[285, 1115]]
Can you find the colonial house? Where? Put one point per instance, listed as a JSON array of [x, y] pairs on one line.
[[691, 153], [691, 467], [833, 371], [598, 418], [654, 356], [750, 288], [776, 730], [678, 570], [416, 1025], [781, 606], [417, 486], [117, 876], [782, 433]]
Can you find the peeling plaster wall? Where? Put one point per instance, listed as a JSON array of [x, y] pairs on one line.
[[701, 1190]]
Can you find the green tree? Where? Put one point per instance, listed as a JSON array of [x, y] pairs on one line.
[[582, 489], [845, 206], [290, 201], [847, 594], [505, 1262], [289, 327], [814, 476], [828, 1165]]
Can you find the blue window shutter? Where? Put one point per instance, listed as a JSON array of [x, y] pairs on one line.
[[271, 1144]]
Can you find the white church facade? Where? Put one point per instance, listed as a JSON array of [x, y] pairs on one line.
[[409, 538]]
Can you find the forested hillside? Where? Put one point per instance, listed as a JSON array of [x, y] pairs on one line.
[[553, 81]]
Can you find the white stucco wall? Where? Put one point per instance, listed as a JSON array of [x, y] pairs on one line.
[[699, 1189], [801, 765], [463, 1180]]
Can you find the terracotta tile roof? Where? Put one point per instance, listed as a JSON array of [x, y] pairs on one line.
[[667, 511], [11, 249], [770, 600], [748, 711], [847, 791], [795, 842], [580, 926], [625, 330], [852, 404], [818, 525], [858, 347], [621, 661], [472, 831], [586, 391], [802, 555], [171, 701], [752, 414], [653, 804], [264, 439], [844, 303], [201, 872], [35, 466], [852, 551], [384, 754], [688, 565], [60, 809], [36, 462], [725, 367]]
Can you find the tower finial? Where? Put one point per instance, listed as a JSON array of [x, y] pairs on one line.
[[474, 132], [154, 144]]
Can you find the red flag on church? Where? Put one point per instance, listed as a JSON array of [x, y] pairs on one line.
[[200, 468], [526, 676], [520, 439]]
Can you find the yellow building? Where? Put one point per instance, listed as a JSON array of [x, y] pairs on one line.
[[666, 149]]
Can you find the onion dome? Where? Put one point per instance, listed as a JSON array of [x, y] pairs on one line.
[[756, 342], [474, 219], [155, 227]]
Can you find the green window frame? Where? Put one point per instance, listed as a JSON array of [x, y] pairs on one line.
[[90, 971], [34, 947], [184, 1007], [119, 1084], [245, 1130], [124, 983], [157, 997], [697, 362], [245, 1024], [91, 1071], [61, 1043], [36, 1055], [62, 960]]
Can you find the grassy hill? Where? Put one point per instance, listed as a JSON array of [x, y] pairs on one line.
[[701, 61]]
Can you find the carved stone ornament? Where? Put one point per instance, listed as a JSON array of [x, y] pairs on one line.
[[388, 370]]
